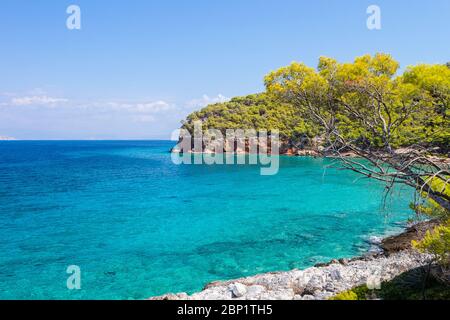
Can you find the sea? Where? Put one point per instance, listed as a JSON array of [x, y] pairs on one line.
[[136, 225]]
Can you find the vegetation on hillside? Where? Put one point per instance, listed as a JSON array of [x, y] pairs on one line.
[[257, 111], [366, 104], [416, 104], [407, 286]]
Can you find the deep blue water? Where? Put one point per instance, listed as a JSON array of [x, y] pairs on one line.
[[138, 225]]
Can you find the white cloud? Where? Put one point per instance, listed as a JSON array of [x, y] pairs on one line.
[[144, 118], [138, 112], [152, 107], [7, 94], [36, 97], [37, 92], [33, 110], [46, 101], [37, 101], [206, 100], [39, 98]]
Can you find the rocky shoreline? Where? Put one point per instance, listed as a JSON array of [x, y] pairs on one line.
[[323, 280]]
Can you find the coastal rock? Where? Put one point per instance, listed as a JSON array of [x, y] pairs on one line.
[[375, 240], [335, 274], [214, 293], [403, 241], [308, 152], [171, 296], [316, 283], [254, 292], [238, 289], [280, 294]]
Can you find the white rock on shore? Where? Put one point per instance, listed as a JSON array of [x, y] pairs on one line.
[[316, 283], [238, 290]]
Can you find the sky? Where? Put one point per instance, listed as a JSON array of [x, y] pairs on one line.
[[136, 68]]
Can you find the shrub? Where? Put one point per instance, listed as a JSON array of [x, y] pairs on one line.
[[346, 295], [437, 243], [357, 293]]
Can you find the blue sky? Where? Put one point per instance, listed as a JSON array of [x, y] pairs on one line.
[[136, 68]]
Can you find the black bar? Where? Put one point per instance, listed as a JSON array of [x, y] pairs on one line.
[[228, 309]]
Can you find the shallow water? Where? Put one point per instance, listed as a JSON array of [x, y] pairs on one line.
[[137, 225]]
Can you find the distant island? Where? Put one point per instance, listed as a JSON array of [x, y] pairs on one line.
[[6, 138]]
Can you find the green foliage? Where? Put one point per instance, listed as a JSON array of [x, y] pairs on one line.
[[430, 125], [407, 286], [258, 112], [346, 295], [437, 243], [352, 97], [410, 286], [430, 209], [439, 185], [416, 103], [357, 293]]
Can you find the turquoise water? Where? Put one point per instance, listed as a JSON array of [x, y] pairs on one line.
[[138, 225]]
